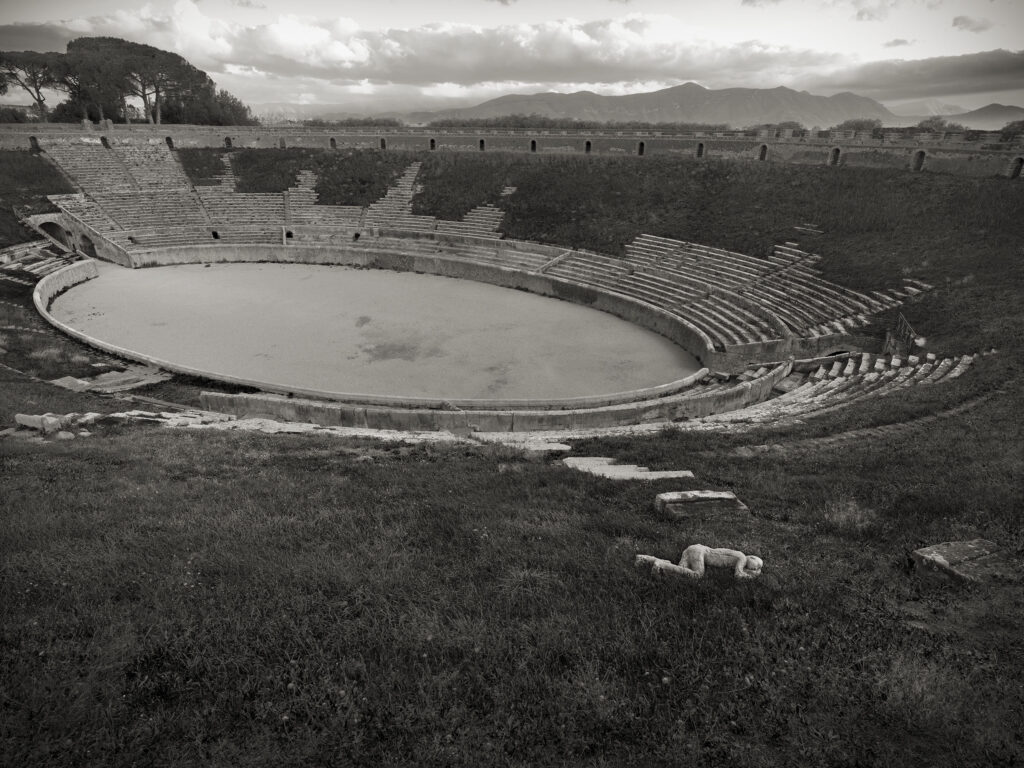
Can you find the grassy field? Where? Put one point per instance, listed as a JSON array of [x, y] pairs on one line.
[[177, 598]]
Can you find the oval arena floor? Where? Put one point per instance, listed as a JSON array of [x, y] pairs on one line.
[[346, 330]]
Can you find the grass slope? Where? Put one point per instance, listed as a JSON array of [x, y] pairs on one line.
[[345, 177], [181, 598], [282, 601], [25, 181]]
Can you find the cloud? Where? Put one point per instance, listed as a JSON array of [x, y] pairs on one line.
[[249, 4], [898, 42], [872, 10], [942, 76], [328, 59], [759, 3], [969, 24], [630, 48]]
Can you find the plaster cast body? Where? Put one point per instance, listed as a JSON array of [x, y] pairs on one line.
[[697, 557]]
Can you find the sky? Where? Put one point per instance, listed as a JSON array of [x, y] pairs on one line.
[[378, 55]]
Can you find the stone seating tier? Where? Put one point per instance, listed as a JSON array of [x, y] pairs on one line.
[[152, 165], [91, 165], [845, 382], [168, 208], [87, 211]]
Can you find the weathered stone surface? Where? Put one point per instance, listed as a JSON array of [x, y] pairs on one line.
[[70, 382], [790, 383], [50, 423], [29, 420], [64, 435], [966, 561], [683, 504], [604, 467]]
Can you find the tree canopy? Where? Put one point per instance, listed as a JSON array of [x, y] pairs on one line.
[[859, 124], [100, 74]]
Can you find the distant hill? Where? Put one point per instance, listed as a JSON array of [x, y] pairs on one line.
[[990, 118], [691, 103]]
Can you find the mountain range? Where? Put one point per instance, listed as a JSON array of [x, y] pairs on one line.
[[690, 102], [686, 103]]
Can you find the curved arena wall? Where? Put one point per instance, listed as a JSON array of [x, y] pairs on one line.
[[671, 401]]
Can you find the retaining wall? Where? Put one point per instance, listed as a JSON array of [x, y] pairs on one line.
[[978, 158], [348, 415]]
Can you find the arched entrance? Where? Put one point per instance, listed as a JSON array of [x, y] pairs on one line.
[[533, 145], [282, 144], [383, 143], [586, 148], [763, 152], [227, 142], [334, 143], [33, 144], [834, 155], [87, 246], [700, 150], [433, 144], [54, 230], [104, 142], [170, 142], [482, 145], [919, 158], [640, 148], [1016, 167]]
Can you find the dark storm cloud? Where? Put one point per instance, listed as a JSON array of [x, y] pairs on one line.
[[988, 72], [35, 37], [897, 43]]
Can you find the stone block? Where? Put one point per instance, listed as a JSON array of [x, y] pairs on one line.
[[605, 467], [966, 561], [70, 382], [50, 423], [683, 504], [29, 420], [64, 435]]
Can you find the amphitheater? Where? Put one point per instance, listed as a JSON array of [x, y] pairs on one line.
[[771, 339], [802, 348]]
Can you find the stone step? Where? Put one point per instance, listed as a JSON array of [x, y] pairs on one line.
[[606, 467]]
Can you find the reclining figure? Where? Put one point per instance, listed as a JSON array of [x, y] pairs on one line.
[[696, 557]]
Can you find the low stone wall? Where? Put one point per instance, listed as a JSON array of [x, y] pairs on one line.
[[55, 283], [352, 415]]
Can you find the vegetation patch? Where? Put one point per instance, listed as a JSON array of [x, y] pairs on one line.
[[25, 181]]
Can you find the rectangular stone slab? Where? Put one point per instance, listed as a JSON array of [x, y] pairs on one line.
[[687, 503], [966, 561]]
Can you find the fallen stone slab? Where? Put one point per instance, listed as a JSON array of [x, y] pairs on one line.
[[29, 420], [966, 561], [64, 435], [70, 382], [683, 504], [605, 467]]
